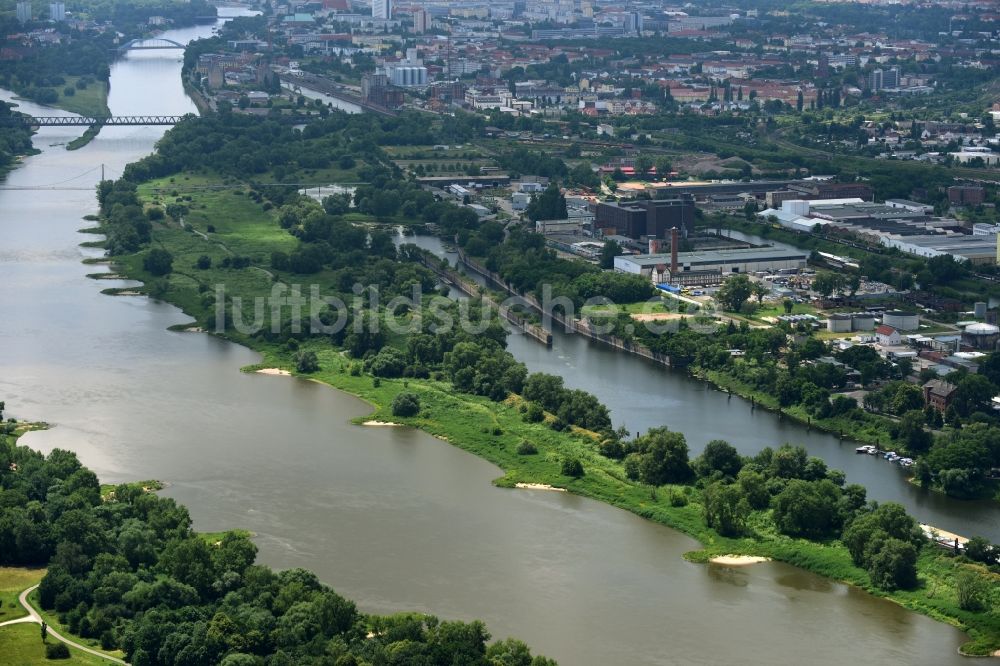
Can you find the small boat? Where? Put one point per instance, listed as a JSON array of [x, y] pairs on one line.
[[867, 448], [890, 455]]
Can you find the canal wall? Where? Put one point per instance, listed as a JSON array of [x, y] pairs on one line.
[[584, 327], [470, 288]]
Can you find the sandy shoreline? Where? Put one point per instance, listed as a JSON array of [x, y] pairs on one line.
[[382, 423], [738, 560], [539, 486], [273, 371]]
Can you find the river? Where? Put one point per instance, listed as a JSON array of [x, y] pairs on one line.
[[390, 517]]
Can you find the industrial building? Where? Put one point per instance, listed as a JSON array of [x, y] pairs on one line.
[[660, 267], [901, 320], [646, 217], [897, 224]]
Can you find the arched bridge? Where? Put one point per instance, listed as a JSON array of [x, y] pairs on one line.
[[153, 43], [87, 121]]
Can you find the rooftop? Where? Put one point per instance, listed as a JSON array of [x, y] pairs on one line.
[[720, 256]]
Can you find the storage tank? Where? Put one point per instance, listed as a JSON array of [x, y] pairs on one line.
[[979, 309], [981, 336], [901, 320], [839, 323], [863, 321]]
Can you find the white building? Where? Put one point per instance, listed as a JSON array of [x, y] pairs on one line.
[[57, 11], [24, 11], [382, 9], [887, 336]]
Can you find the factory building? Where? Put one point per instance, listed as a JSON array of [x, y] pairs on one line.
[[647, 217], [742, 260]]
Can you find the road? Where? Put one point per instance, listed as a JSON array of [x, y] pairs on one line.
[[34, 617]]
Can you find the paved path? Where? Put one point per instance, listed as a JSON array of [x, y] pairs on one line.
[[34, 617]]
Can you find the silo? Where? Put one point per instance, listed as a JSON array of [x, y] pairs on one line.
[[839, 323], [901, 320], [979, 309]]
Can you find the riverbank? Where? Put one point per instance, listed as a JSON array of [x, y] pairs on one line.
[[470, 423]]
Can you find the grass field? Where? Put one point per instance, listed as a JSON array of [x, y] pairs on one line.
[[92, 101], [21, 645], [13, 581]]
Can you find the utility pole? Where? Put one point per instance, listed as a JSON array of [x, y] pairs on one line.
[[102, 172]]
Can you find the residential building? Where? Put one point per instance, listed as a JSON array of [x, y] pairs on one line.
[[57, 12], [421, 21], [887, 336], [938, 394], [382, 9], [24, 11]]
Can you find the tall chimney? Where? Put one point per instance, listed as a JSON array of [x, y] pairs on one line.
[[674, 242], [654, 245]]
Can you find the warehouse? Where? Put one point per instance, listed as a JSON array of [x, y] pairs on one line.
[[741, 260]]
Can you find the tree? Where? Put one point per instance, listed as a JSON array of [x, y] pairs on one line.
[[719, 456], [549, 205], [753, 485], [609, 251], [306, 362], [204, 262], [894, 565], [725, 509], [158, 262], [663, 167], [825, 283], [57, 650], [406, 404], [572, 467], [808, 509], [734, 292], [658, 457], [973, 394], [643, 163], [978, 549], [912, 433], [759, 291], [974, 592]]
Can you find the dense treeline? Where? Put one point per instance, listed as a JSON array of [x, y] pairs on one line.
[[528, 266], [15, 140], [128, 570]]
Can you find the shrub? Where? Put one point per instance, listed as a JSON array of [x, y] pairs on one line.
[[526, 448], [306, 362], [56, 651], [406, 404], [572, 467], [204, 262], [677, 499], [973, 592], [158, 262], [534, 413]]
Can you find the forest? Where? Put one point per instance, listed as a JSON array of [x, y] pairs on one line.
[[126, 568]]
